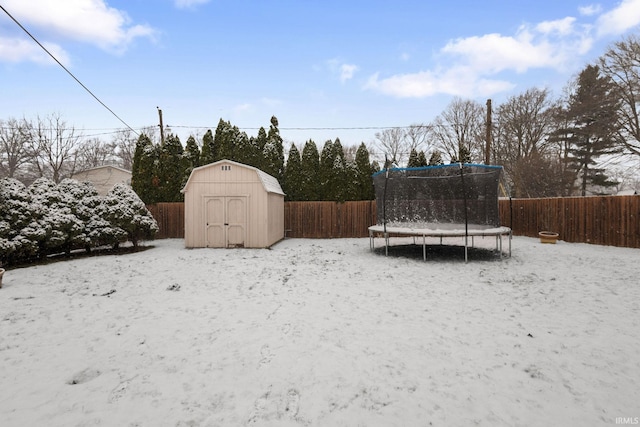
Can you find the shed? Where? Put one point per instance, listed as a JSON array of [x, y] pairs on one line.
[[232, 205], [104, 178]]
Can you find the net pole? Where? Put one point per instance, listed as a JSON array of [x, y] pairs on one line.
[[466, 220], [384, 208]]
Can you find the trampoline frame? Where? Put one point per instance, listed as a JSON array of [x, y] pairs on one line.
[[466, 232]]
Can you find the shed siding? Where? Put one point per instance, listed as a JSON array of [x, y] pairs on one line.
[[224, 179], [275, 218]]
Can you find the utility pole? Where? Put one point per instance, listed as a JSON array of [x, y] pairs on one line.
[[161, 126], [487, 153]]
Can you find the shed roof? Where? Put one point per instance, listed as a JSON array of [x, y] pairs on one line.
[[270, 183], [102, 167]]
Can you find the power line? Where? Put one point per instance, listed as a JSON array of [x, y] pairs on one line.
[[65, 68], [310, 128]]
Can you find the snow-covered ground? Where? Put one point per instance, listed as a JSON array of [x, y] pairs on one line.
[[323, 333]]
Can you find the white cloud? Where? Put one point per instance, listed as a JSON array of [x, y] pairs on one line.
[[590, 10], [347, 71], [19, 50], [562, 27], [189, 4], [343, 70], [88, 21], [473, 63], [530, 48], [457, 81], [620, 19]]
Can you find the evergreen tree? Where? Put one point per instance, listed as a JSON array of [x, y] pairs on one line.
[[171, 169], [223, 143], [292, 181], [87, 205], [310, 172], [126, 211], [244, 153], [18, 236], [413, 162], [422, 159], [206, 156], [62, 230], [144, 180], [464, 155], [192, 153], [327, 163], [191, 157], [260, 143], [253, 155], [364, 180], [436, 158], [340, 179], [273, 151], [333, 172], [350, 182], [593, 110]]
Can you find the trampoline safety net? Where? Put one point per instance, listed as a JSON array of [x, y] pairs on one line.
[[445, 194]]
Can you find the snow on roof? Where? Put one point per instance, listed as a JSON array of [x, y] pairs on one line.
[[270, 183], [103, 167]]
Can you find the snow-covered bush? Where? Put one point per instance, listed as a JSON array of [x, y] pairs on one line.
[[125, 210], [46, 218], [88, 206], [16, 216], [63, 230]]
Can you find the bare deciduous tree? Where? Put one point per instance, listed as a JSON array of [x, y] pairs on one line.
[[124, 143], [54, 147], [94, 152], [460, 126], [417, 138], [392, 143], [521, 127], [621, 63], [13, 142]]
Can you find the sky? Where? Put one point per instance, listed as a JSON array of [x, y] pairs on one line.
[[326, 69]]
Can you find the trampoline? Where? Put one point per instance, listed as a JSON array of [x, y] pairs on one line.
[[454, 230], [445, 201]]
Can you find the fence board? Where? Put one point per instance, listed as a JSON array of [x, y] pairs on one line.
[[602, 220], [170, 219]]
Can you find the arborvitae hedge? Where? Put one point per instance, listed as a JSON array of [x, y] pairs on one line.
[[47, 219]]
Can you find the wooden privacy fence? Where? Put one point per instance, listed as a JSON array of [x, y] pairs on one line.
[[170, 219], [329, 219], [602, 220]]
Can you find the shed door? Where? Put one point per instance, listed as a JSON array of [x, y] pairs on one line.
[[226, 221]]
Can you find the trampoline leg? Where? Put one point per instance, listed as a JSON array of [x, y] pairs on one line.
[[466, 247], [386, 244], [424, 247]]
